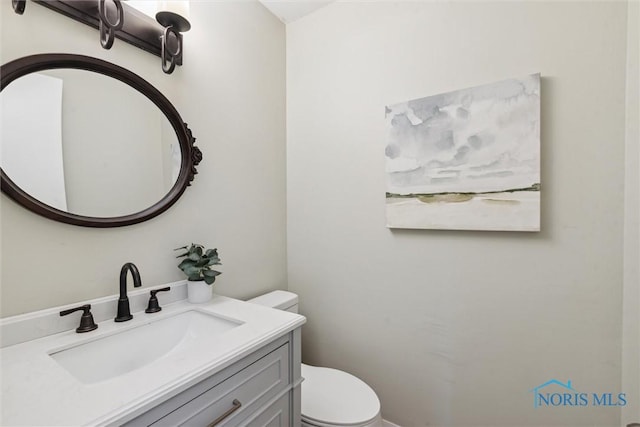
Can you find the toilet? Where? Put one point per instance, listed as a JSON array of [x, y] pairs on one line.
[[330, 398]]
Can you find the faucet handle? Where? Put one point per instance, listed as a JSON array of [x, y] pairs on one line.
[[86, 320], [154, 306]]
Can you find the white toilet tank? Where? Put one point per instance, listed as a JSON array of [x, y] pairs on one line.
[[282, 300]]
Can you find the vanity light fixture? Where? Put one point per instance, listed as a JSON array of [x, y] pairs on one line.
[[173, 16], [153, 26]]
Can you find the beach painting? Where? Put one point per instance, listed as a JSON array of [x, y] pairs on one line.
[[467, 159]]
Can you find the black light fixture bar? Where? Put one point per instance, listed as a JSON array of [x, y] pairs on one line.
[[138, 29]]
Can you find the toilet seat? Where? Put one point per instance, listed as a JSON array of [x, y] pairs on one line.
[[335, 398]]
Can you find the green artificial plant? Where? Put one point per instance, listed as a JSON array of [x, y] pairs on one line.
[[198, 262]]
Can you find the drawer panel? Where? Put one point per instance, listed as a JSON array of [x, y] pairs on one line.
[[246, 391]]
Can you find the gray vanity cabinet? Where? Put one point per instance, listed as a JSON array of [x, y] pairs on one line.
[[262, 389]]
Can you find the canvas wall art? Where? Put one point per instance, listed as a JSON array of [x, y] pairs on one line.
[[466, 160]]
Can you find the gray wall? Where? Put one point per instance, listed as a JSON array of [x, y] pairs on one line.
[[455, 328], [231, 92]]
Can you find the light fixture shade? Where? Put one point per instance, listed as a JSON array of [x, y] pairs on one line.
[[174, 14]]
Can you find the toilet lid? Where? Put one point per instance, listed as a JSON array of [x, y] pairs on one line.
[[330, 396]]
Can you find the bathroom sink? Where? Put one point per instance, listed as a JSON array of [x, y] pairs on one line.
[[129, 349]]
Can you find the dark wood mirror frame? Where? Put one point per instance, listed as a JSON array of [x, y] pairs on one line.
[[190, 155]]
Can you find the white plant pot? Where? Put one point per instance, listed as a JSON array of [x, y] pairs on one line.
[[199, 292]]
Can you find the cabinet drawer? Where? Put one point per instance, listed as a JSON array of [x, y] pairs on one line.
[[243, 392]]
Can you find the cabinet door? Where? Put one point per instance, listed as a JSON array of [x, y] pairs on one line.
[[276, 415], [238, 396]]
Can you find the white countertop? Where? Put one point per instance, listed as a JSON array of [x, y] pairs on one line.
[[37, 391]]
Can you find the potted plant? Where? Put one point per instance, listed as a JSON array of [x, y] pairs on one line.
[[197, 266]]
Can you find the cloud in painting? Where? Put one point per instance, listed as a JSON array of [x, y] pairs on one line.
[[479, 139]]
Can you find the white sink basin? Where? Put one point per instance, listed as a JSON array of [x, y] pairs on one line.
[[133, 348]]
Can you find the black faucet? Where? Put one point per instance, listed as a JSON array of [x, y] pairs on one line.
[[124, 312]]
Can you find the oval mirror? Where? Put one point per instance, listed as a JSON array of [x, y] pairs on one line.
[[90, 143]]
